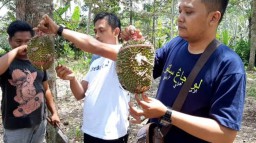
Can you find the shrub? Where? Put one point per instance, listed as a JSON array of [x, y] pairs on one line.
[[242, 48]]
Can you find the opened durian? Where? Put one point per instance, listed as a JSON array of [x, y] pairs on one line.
[[134, 65], [40, 52]]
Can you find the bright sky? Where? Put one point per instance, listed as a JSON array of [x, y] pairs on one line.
[[3, 11]]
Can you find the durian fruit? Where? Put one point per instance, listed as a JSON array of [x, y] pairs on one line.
[[40, 52], [134, 65]]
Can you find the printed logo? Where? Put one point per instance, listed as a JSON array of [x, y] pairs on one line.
[[26, 94], [178, 78], [99, 67]]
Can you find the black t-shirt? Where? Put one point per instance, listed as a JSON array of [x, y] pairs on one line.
[[23, 102]]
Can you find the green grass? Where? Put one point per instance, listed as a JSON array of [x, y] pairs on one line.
[[251, 84], [79, 67]]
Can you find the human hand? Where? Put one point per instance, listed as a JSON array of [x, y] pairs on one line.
[[47, 26], [150, 108], [131, 33], [21, 50], [54, 120], [64, 73]]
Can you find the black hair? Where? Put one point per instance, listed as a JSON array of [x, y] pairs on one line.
[[216, 5], [19, 26], [112, 19]]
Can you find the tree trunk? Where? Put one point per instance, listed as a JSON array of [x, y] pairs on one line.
[[154, 24], [252, 26], [172, 19], [89, 19], [131, 12], [32, 11]]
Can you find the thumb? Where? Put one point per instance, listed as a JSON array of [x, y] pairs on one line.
[[145, 97], [45, 17]]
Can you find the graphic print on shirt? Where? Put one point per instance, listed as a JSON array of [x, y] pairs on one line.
[[26, 94], [178, 79], [99, 67]]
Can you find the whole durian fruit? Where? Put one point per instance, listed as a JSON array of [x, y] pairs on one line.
[[134, 65], [40, 52]]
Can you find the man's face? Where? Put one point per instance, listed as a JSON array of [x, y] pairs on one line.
[[193, 19], [19, 39], [104, 32]]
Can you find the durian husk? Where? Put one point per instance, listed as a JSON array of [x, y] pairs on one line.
[[40, 52], [134, 66]]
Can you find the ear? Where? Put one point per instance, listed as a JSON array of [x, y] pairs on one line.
[[215, 17], [117, 31]]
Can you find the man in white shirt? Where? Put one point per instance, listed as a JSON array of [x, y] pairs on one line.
[[105, 115]]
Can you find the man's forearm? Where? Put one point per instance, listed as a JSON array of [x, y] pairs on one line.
[[7, 59], [203, 128], [89, 44], [50, 102], [77, 89]]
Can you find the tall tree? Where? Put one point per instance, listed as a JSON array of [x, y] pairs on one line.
[[32, 12], [252, 36]]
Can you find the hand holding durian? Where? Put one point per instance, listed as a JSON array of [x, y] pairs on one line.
[[135, 62], [41, 51]]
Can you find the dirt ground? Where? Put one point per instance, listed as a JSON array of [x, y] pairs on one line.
[[70, 112]]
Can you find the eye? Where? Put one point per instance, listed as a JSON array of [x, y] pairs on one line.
[[189, 12], [18, 42], [27, 41], [101, 30]]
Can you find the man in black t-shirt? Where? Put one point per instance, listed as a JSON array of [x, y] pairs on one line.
[[25, 91]]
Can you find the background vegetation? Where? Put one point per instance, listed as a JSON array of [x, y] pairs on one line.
[[156, 19]]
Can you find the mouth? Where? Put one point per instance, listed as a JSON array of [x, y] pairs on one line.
[[181, 27]]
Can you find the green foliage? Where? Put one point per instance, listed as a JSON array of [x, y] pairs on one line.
[[76, 14], [59, 12], [2, 51], [4, 46], [155, 20], [79, 66], [76, 133], [111, 6], [251, 91], [225, 37], [251, 84], [236, 22], [64, 48], [163, 12], [82, 65], [162, 35], [242, 48]]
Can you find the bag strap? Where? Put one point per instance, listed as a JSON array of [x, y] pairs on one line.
[[180, 99]]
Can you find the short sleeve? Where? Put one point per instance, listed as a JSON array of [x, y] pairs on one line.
[[228, 102], [45, 78], [159, 63], [163, 53], [87, 77]]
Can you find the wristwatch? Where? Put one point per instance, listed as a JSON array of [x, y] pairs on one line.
[[60, 30], [165, 120]]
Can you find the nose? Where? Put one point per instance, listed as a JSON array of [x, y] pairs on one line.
[[180, 17], [97, 36], [24, 42]]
